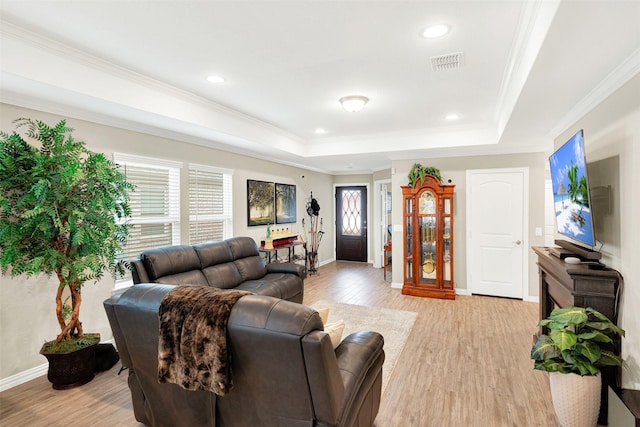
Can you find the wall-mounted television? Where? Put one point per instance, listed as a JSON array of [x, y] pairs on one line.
[[571, 191]]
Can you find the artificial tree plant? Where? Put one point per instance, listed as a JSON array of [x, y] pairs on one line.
[[418, 173], [63, 211]]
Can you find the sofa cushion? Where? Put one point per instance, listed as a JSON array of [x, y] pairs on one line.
[[259, 287], [213, 253], [169, 260], [242, 247], [251, 268], [283, 286], [193, 277], [223, 276]]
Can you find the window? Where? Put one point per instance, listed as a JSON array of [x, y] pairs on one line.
[[155, 204], [210, 204]]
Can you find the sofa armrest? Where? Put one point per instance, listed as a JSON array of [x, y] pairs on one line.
[[360, 357], [121, 344], [325, 381], [346, 381], [287, 267], [138, 272]]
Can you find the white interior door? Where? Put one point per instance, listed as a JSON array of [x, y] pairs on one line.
[[496, 218]]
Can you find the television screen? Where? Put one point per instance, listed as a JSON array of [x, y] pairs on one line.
[[571, 191]]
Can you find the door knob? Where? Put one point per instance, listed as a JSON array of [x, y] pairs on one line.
[[517, 242]]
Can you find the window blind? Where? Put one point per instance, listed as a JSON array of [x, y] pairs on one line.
[[210, 203], [155, 204]]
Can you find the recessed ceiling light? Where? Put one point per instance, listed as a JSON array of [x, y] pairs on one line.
[[320, 131], [215, 79], [452, 117], [435, 31]]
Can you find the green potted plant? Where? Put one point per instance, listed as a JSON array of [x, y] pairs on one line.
[[62, 212], [419, 172], [580, 342]]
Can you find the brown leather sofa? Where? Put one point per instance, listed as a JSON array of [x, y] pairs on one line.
[[285, 369], [233, 263]]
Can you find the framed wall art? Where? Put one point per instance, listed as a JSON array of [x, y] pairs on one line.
[[260, 202], [285, 203]]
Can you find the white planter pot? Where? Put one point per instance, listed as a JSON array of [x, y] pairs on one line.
[[576, 399]]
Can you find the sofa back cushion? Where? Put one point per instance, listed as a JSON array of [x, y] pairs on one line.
[[223, 276], [217, 264], [136, 331], [193, 277], [251, 268], [271, 387], [169, 260], [247, 258], [242, 247], [213, 253]]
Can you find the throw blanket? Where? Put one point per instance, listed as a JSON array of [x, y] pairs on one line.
[[192, 349]]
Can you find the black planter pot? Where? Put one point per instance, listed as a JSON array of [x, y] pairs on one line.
[[69, 370]]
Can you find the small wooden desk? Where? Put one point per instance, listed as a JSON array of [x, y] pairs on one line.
[[387, 248]]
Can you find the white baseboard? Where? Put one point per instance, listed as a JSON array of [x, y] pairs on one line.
[[459, 291], [462, 291], [325, 262], [23, 377], [30, 374]]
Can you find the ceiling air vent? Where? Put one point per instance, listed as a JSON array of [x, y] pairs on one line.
[[451, 61]]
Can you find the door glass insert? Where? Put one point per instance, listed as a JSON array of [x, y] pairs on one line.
[[351, 202]]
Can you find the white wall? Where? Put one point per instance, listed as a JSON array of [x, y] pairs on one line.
[[27, 306], [613, 129]]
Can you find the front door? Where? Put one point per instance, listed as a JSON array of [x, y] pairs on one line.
[[496, 231], [351, 223]]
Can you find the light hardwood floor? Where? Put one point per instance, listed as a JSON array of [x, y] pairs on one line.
[[466, 363]]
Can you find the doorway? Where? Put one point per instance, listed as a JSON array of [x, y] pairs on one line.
[[381, 233], [496, 235], [351, 223]]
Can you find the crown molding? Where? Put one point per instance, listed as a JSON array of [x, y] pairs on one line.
[[279, 137], [624, 72], [535, 20]]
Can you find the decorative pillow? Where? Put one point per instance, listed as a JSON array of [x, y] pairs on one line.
[[324, 314], [335, 329]]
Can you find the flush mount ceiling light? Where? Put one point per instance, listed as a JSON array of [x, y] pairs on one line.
[[435, 31], [452, 117], [354, 103], [215, 79]]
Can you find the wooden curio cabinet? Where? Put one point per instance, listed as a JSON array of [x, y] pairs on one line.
[[428, 235]]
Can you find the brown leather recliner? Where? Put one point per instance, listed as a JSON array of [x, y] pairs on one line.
[[285, 370]]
